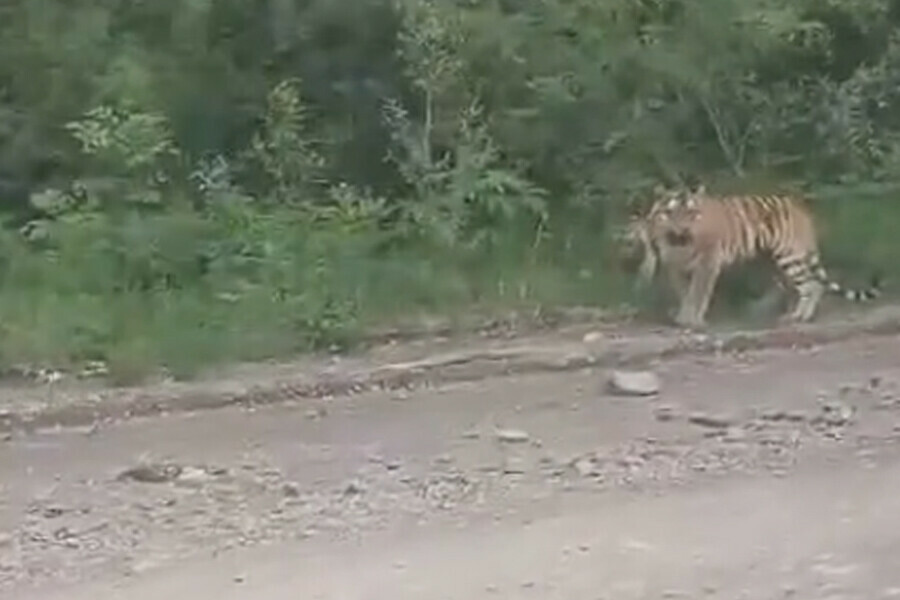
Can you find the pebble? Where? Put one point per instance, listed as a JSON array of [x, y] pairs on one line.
[[665, 413], [151, 473], [712, 421], [512, 436], [585, 467], [592, 336], [194, 476], [514, 465], [784, 415], [291, 490]]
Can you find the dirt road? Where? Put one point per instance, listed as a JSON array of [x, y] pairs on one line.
[[773, 474]]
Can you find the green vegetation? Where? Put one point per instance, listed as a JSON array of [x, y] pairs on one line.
[[191, 181]]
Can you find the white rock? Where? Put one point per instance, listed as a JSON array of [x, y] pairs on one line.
[[592, 336], [634, 383], [512, 436]]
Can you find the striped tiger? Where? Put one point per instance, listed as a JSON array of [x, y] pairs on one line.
[[693, 236]]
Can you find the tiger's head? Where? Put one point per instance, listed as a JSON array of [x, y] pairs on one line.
[[676, 205], [668, 223], [674, 213]]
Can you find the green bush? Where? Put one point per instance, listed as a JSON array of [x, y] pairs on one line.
[[183, 183]]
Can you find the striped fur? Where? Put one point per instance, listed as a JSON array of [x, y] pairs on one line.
[[693, 236]]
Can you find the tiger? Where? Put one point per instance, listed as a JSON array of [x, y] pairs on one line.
[[693, 236]]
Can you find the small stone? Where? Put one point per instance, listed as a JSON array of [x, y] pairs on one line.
[[319, 412], [151, 473], [776, 416], [6, 539], [735, 434], [634, 383], [353, 489], [514, 465], [592, 336], [291, 490], [664, 413], [585, 467], [512, 436], [836, 414], [53, 512], [142, 566], [711, 421], [194, 476]]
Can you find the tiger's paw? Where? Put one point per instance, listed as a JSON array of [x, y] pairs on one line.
[[689, 322]]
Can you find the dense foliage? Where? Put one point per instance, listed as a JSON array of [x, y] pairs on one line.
[[191, 180]]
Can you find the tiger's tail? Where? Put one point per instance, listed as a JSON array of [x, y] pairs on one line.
[[866, 294]]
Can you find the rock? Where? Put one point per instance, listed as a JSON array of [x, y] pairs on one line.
[[512, 436], [514, 465], [152, 473], [735, 434], [585, 466], [776, 416], [592, 336], [665, 413], [6, 539], [319, 412], [53, 512], [353, 488], [634, 383], [630, 462], [711, 421], [835, 414], [194, 476]]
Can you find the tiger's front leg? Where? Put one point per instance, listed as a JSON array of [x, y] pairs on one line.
[[695, 303], [678, 282]]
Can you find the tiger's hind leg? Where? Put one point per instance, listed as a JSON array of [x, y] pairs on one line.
[[808, 289], [809, 295]]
